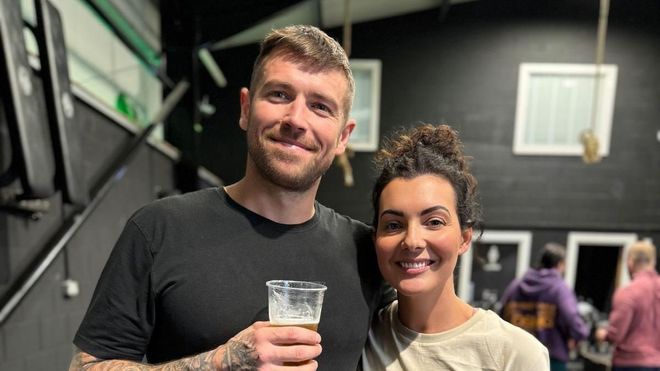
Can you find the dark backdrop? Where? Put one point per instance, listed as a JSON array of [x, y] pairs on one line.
[[462, 69]]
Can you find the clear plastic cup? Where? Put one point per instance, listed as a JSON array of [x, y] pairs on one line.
[[295, 303]]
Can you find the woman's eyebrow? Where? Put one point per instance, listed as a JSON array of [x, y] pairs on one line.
[[424, 212], [434, 208], [392, 212]]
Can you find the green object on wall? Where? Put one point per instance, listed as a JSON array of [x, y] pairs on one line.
[[126, 107]]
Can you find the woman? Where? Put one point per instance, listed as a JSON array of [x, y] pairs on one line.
[[425, 208]]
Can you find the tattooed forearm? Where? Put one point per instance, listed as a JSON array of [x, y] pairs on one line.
[[85, 362], [82, 361], [239, 356]]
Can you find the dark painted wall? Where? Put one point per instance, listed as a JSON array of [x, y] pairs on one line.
[[38, 335], [462, 69]]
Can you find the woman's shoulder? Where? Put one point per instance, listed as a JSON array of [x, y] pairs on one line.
[[515, 333], [516, 344]]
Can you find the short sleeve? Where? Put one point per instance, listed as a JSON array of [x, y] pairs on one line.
[[119, 320]]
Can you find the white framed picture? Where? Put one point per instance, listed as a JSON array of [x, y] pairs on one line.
[[366, 104], [491, 263]]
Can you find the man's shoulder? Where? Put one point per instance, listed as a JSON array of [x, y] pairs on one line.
[[633, 291], [177, 205], [334, 219]]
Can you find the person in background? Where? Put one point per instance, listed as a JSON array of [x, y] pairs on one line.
[[184, 288], [425, 207], [541, 303], [634, 321]]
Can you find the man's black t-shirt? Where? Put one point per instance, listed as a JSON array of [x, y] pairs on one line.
[[189, 272]]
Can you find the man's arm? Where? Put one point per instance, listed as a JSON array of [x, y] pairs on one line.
[[86, 362], [257, 346], [568, 312], [620, 318]]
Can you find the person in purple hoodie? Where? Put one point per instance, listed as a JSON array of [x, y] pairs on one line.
[[541, 303]]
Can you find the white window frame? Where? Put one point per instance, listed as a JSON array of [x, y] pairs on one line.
[[521, 238], [577, 239], [367, 140], [603, 124]]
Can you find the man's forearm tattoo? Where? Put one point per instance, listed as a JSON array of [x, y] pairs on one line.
[[85, 362], [239, 356]]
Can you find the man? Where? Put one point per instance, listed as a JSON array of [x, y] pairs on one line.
[[634, 322], [185, 285], [541, 303]]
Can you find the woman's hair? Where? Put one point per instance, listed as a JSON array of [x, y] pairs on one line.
[[309, 45], [429, 150]]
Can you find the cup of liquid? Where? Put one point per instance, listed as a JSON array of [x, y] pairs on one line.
[[295, 303]]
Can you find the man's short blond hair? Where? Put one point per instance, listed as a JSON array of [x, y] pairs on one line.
[[642, 253]]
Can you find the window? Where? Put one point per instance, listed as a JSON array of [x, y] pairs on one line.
[[103, 70], [366, 105], [556, 103]]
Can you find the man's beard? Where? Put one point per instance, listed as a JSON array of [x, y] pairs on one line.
[[299, 181]]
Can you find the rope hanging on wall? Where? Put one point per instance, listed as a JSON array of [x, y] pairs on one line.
[[343, 159], [588, 137]]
